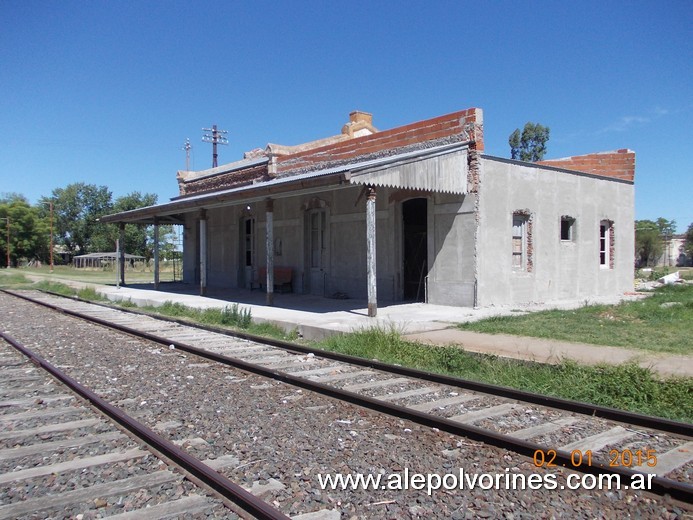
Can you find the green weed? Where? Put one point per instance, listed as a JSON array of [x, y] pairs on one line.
[[644, 324], [90, 294], [55, 287], [627, 387], [9, 279]]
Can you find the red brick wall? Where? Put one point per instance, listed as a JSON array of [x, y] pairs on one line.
[[224, 181], [619, 164], [428, 130]]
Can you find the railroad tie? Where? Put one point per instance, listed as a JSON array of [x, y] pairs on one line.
[[71, 465], [484, 413], [599, 441], [442, 403], [669, 461], [71, 498]]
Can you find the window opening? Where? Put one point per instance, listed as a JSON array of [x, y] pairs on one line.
[[606, 244], [317, 237], [518, 242], [249, 242], [567, 228], [522, 246]]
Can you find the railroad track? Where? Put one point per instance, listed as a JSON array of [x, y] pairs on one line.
[[53, 441], [61, 458], [556, 432]]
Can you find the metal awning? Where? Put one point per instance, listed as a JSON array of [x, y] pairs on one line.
[[441, 168], [440, 171]]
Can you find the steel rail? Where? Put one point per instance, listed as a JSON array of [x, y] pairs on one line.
[[228, 489], [660, 485], [604, 412]]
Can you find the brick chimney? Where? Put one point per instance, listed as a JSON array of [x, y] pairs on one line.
[[360, 124]]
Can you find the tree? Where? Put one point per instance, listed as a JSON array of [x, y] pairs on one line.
[[648, 242], [76, 210], [689, 241], [651, 239], [530, 145], [137, 238], [29, 234], [667, 228]]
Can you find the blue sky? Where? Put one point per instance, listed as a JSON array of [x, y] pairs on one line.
[[107, 92]]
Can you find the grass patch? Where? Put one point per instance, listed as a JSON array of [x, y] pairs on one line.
[[644, 324], [10, 279], [232, 317], [686, 273], [627, 387], [55, 287], [96, 276], [90, 294]]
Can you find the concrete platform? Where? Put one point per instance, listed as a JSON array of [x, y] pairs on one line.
[[316, 317]]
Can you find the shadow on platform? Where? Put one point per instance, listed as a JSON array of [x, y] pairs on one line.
[[292, 301]]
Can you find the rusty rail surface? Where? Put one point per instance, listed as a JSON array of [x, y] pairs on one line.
[[228, 489]]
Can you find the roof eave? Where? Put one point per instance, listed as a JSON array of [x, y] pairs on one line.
[[247, 194]]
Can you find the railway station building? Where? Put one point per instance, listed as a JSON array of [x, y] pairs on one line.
[[414, 213]]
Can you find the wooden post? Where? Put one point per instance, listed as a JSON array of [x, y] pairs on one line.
[[370, 253], [203, 252], [121, 259], [269, 215], [81, 262], [156, 254]]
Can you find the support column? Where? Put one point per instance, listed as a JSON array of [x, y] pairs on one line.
[[370, 253], [156, 254], [269, 220], [121, 256], [203, 252]]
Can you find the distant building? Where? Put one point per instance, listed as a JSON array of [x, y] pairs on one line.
[[674, 253], [415, 213]]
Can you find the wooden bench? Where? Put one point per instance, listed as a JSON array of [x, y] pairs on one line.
[[283, 277]]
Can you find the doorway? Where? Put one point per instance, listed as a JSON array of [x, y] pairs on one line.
[[414, 249], [316, 247], [247, 250]]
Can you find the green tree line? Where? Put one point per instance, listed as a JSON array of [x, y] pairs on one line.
[[76, 230], [652, 237]]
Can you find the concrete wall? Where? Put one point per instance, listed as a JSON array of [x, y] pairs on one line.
[[560, 269], [450, 244], [451, 228], [190, 257], [674, 253]]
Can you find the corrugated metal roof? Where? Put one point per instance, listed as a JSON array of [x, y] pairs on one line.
[[441, 171], [363, 168]]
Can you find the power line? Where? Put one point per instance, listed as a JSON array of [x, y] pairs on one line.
[[187, 147], [216, 137]]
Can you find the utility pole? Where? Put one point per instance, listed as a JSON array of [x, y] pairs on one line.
[[216, 137], [8, 240], [187, 147], [51, 207]]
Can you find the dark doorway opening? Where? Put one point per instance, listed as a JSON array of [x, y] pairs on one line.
[[415, 249]]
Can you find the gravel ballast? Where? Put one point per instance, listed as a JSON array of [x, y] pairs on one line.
[[282, 437]]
